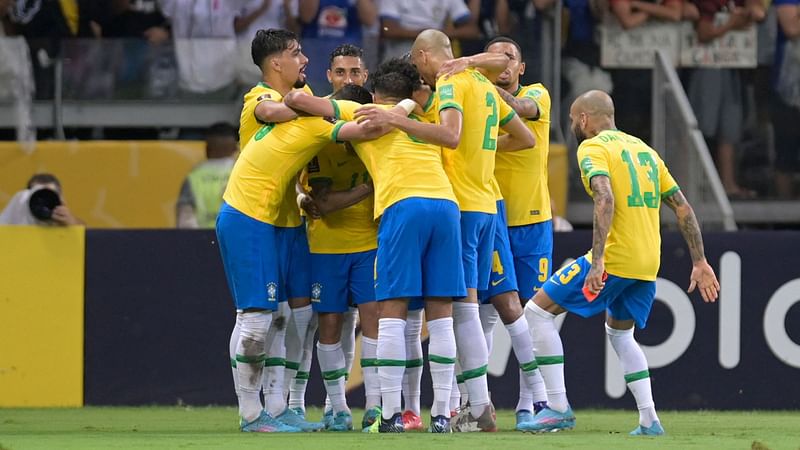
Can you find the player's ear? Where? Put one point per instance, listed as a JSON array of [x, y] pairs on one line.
[[275, 64], [328, 73], [522, 68]]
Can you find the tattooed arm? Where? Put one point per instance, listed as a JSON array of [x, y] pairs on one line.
[[702, 274], [525, 107], [603, 214]]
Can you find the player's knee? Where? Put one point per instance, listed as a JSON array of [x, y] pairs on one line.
[[508, 306]]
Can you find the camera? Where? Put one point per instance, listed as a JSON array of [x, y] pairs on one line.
[[42, 203]]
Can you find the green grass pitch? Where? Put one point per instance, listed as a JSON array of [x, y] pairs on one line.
[[215, 428]]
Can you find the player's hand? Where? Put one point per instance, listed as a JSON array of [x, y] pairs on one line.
[[63, 216], [373, 117], [307, 204], [595, 279], [452, 67], [703, 277]]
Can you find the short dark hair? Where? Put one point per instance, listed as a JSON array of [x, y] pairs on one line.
[[269, 42], [354, 93], [222, 129], [346, 50], [43, 178], [507, 40], [396, 78]]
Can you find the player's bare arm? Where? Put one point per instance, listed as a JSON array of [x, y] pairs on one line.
[[268, 111], [447, 134], [316, 106], [603, 198], [702, 276], [518, 137], [489, 64], [329, 200], [524, 107]]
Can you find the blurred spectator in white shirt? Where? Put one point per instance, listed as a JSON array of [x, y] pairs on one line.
[[259, 15]]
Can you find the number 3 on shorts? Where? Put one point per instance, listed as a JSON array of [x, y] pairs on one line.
[[565, 278]]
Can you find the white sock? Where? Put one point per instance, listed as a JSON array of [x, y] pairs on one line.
[[489, 317], [455, 393], [274, 365], [472, 354], [442, 358], [299, 319], [297, 390], [348, 338], [412, 376], [331, 363], [549, 354], [369, 367], [250, 361], [391, 363], [637, 376], [232, 352], [530, 378]]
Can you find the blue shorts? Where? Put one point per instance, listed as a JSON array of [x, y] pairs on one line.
[[339, 280], [416, 303], [419, 250], [296, 264], [623, 298], [477, 244], [503, 276], [250, 258], [532, 246]]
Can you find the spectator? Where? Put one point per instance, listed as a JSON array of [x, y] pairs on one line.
[[493, 19], [205, 44], [786, 102], [259, 15], [634, 99], [326, 24], [51, 210], [138, 18], [716, 94], [6, 28], [401, 22], [201, 193]]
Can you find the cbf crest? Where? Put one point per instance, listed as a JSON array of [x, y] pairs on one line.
[[316, 292], [272, 292]]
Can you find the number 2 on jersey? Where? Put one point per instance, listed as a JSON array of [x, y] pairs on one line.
[[650, 198], [490, 143]]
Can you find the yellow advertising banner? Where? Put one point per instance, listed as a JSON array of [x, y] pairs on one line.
[[41, 316], [108, 184]]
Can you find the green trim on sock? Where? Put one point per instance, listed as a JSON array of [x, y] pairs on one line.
[[233, 362], [636, 376], [260, 358], [411, 363], [474, 373], [275, 362], [302, 375], [459, 379], [440, 359], [391, 362], [529, 366], [549, 360], [369, 362], [291, 365], [334, 374]]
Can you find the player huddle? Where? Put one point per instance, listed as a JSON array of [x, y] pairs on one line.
[[428, 193]]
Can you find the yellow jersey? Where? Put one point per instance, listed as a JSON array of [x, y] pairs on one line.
[[522, 175], [639, 180], [264, 175], [249, 126], [348, 230], [401, 166], [470, 166]]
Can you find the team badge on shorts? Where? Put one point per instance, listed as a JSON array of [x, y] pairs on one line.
[[316, 292], [272, 292]]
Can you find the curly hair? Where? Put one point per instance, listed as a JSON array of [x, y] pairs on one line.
[[396, 78]]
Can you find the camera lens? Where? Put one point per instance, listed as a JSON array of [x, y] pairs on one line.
[[43, 202]]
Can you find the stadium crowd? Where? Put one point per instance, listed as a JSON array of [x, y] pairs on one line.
[[200, 49]]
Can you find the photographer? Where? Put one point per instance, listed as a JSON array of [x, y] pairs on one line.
[[41, 203]]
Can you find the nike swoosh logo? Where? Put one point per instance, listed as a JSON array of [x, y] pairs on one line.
[[495, 283]]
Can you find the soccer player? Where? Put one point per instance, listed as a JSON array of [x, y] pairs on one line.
[[417, 256], [523, 230], [257, 241], [343, 244], [628, 181], [279, 56], [470, 111]]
